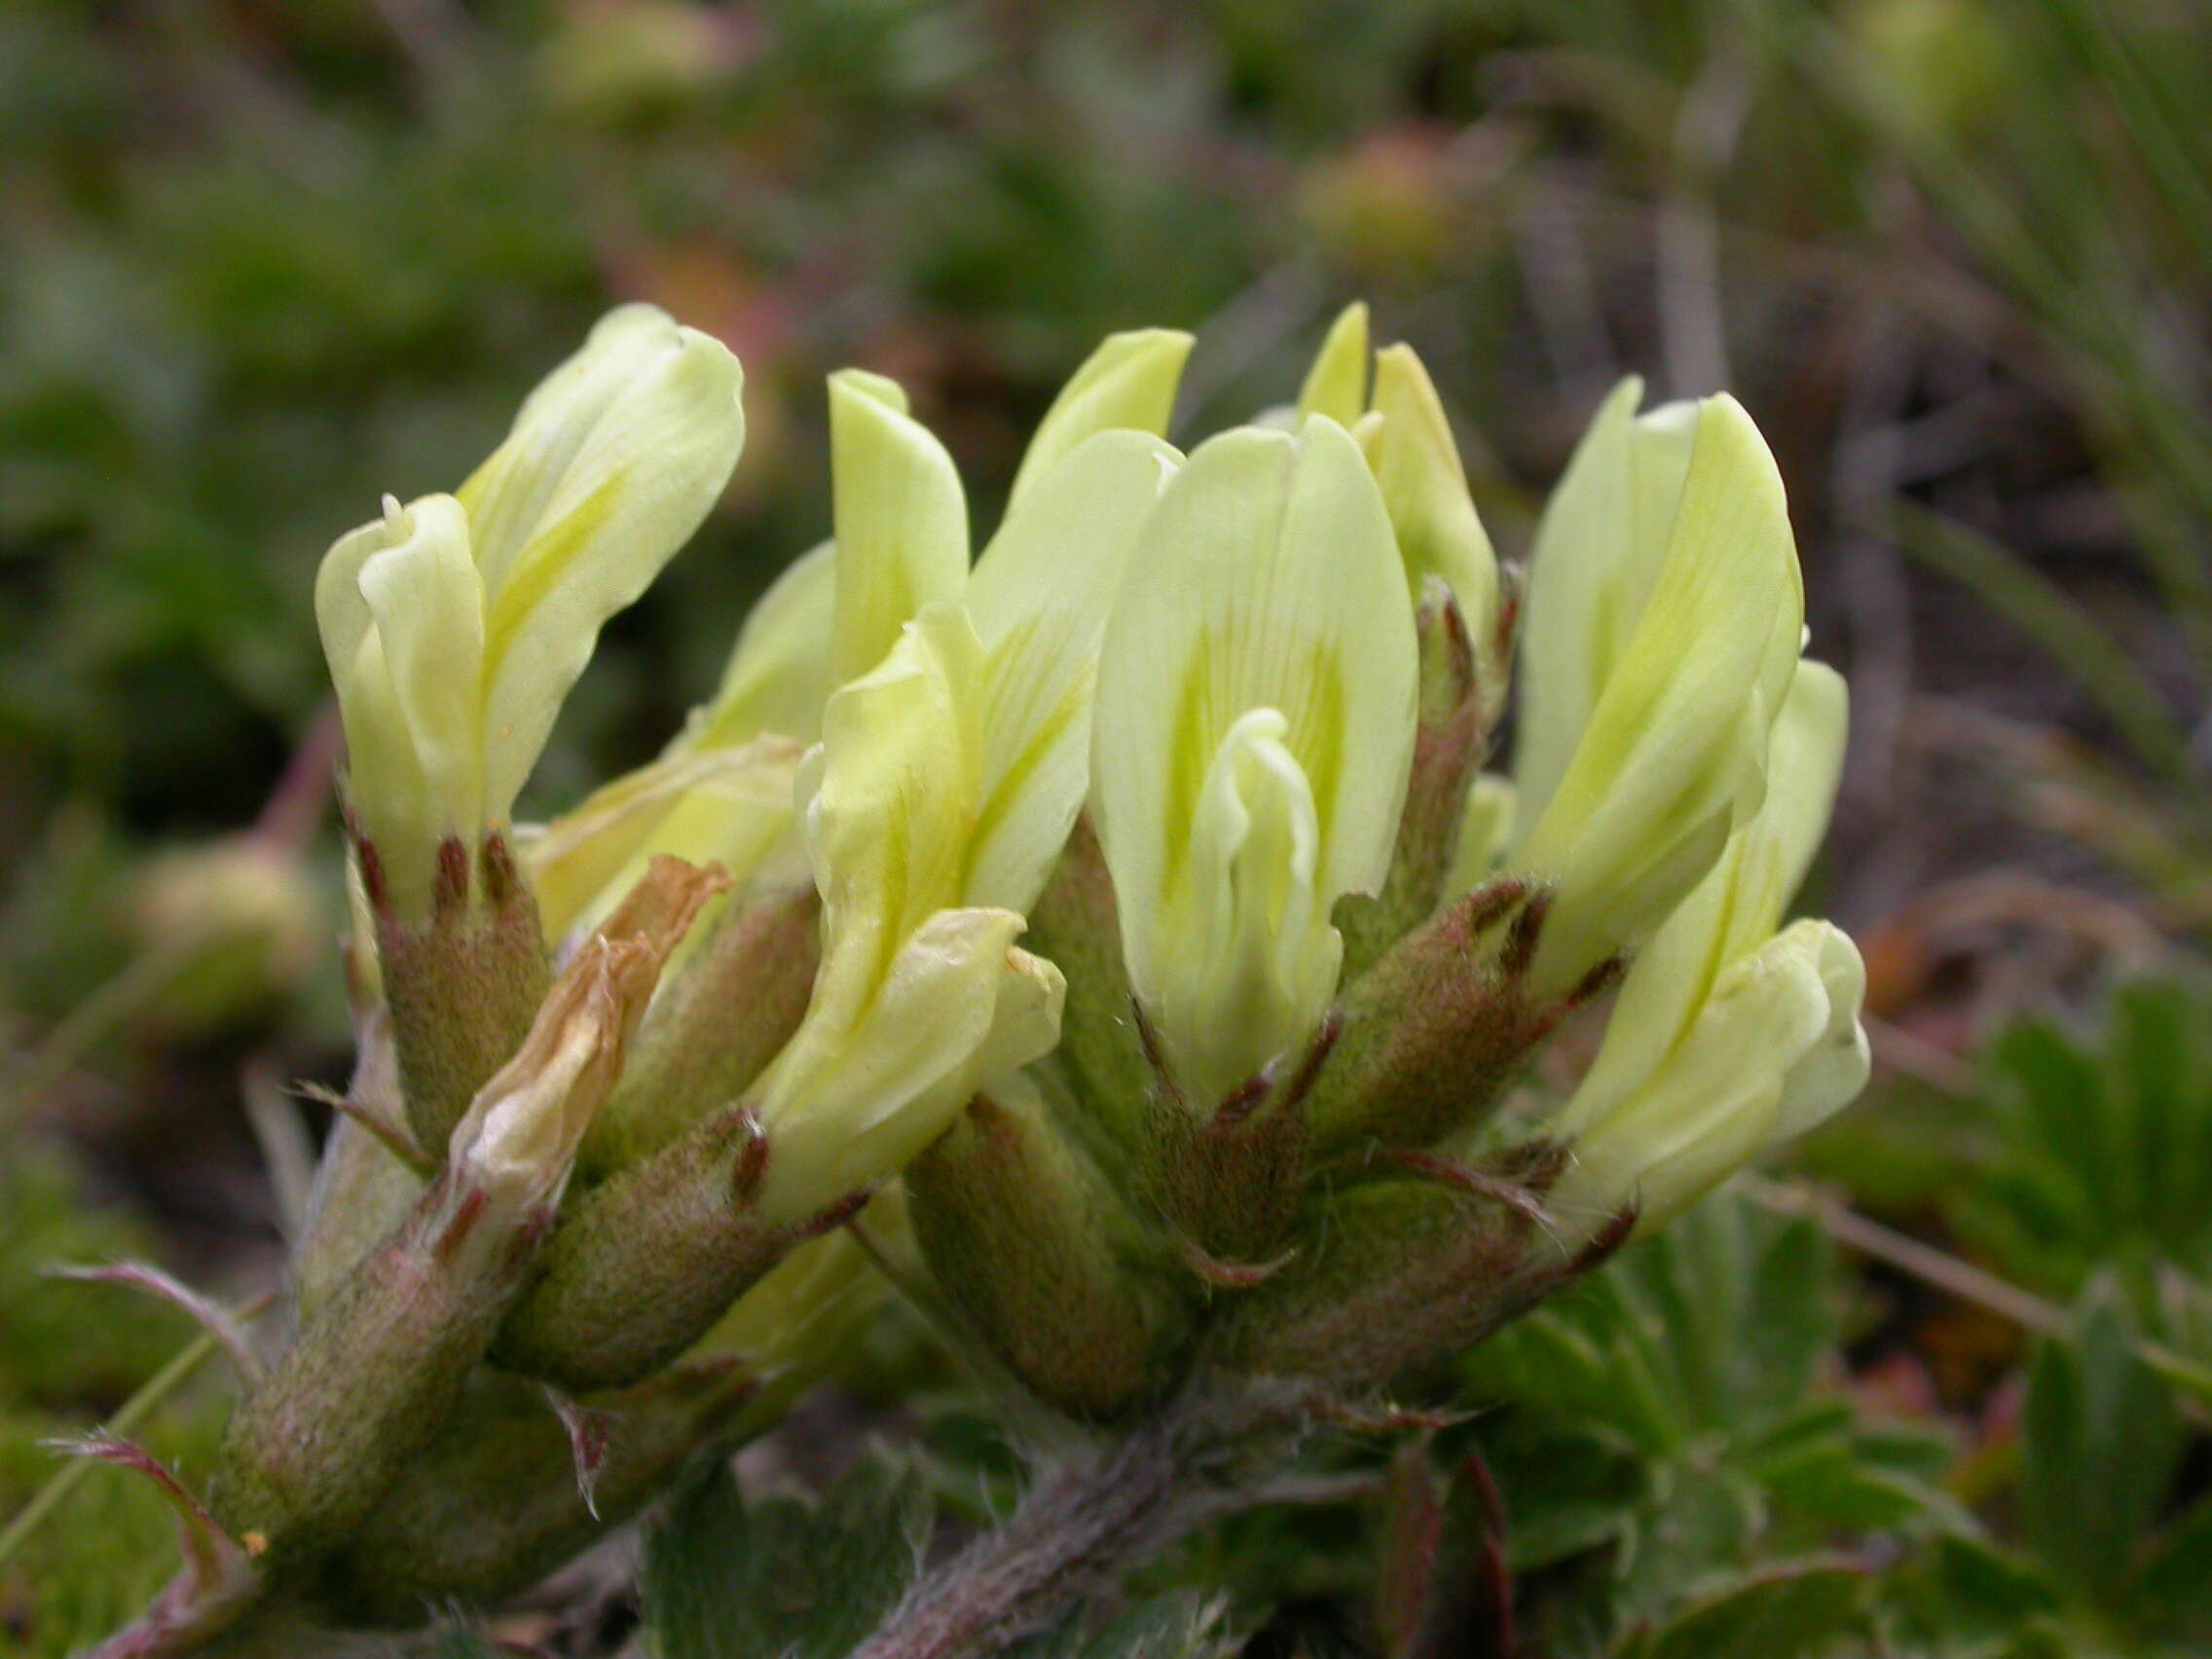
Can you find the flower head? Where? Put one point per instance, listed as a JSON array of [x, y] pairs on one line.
[[1253, 734], [455, 625]]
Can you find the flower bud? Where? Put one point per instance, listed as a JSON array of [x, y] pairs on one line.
[[455, 627], [1775, 1048], [1407, 437], [1664, 619], [1336, 382], [1408, 440], [728, 1004], [1402, 1273], [918, 1000], [919, 997], [1035, 1247], [463, 986], [1452, 576]]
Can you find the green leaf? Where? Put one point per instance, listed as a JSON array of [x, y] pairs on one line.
[[2091, 1160], [2173, 1591], [1717, 1325], [780, 1578], [1567, 1493], [1834, 1483], [2099, 1444], [1785, 1612], [1967, 1595]]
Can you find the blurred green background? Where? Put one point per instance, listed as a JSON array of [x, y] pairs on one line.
[[262, 261]]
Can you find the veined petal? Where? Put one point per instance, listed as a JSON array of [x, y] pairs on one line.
[[1336, 386], [851, 1100], [1408, 440], [1040, 597], [1129, 381], [900, 516], [778, 674], [1737, 907], [1267, 577], [1255, 960], [428, 614], [1673, 753], [610, 466]]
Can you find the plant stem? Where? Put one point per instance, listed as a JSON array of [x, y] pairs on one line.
[[1089, 1518]]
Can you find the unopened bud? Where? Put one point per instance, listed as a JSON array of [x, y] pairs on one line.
[[1035, 1247], [1403, 1273]]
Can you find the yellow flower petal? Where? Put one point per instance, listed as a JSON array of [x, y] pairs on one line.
[[610, 466], [1040, 597], [1773, 1049], [1739, 904], [778, 674], [1129, 383], [899, 517], [1408, 440], [720, 806], [1336, 386]]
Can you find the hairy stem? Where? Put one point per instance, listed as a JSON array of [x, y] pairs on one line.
[[1089, 1518]]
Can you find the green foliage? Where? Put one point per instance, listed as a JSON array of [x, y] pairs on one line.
[[1670, 1454], [731, 1578], [2094, 1155], [2114, 1552], [1793, 1611]]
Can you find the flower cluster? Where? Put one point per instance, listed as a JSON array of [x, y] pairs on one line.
[[1123, 914]]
